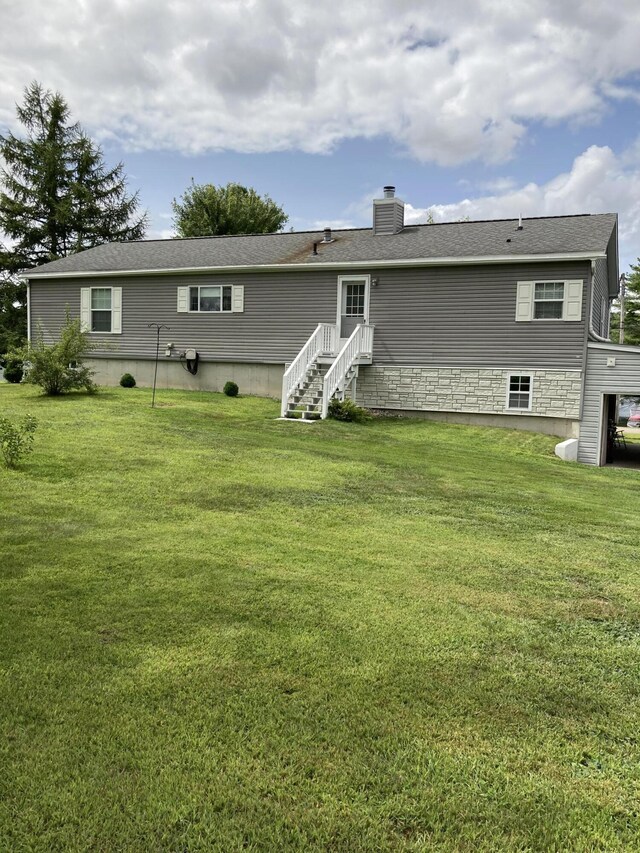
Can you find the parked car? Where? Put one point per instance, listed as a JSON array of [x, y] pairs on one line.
[[634, 420]]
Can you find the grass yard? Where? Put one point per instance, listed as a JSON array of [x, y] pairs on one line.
[[222, 632]]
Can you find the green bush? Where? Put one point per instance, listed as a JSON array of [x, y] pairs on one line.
[[346, 410], [57, 368], [13, 371], [16, 440], [127, 381], [231, 389]]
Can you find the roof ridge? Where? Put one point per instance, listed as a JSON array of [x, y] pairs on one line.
[[361, 228]]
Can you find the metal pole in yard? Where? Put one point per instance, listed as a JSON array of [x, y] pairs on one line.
[[623, 281], [157, 327]]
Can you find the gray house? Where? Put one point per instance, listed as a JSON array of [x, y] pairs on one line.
[[500, 322]]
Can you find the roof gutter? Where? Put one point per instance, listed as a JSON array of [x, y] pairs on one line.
[[337, 265]]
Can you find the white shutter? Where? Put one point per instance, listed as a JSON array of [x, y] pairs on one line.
[[572, 307], [85, 309], [183, 299], [116, 310], [237, 303], [524, 301]]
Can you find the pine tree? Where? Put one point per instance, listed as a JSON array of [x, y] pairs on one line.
[[631, 309], [57, 196], [13, 311]]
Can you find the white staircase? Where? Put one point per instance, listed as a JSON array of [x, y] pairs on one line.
[[321, 371]]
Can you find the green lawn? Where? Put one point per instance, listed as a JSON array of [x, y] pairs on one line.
[[222, 632]]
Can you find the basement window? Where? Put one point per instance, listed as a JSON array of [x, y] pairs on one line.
[[519, 391], [206, 298]]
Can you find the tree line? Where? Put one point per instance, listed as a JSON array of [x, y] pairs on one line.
[[59, 197]]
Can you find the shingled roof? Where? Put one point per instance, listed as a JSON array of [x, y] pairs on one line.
[[556, 235]]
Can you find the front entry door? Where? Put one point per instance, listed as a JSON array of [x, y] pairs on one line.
[[353, 304]]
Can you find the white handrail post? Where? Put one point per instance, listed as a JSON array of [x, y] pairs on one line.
[[360, 343], [321, 340]]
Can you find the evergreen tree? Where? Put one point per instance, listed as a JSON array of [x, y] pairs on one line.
[[13, 311], [631, 309], [207, 211], [57, 196]]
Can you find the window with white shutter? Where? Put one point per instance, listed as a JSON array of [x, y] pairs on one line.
[[549, 300], [211, 298], [101, 310]]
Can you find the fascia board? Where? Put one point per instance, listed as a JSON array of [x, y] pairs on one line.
[[628, 348], [337, 265]]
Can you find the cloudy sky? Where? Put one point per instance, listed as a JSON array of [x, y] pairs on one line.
[[478, 108]]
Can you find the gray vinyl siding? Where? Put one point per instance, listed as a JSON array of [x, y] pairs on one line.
[[465, 316], [280, 313], [622, 378], [601, 298], [388, 217], [433, 316]]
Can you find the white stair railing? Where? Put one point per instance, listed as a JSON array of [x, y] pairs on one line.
[[359, 345], [322, 342]]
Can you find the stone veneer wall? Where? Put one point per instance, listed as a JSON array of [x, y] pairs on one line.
[[556, 393]]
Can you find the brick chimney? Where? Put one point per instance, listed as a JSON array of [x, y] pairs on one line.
[[388, 213]]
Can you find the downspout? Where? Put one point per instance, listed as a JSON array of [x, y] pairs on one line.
[[28, 311], [592, 333]]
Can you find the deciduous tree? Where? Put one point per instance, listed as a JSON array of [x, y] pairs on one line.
[[205, 210]]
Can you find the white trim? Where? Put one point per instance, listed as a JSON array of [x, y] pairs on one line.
[[368, 264], [602, 432], [85, 309], [182, 304], [509, 408], [237, 298], [91, 309], [367, 290], [628, 348], [116, 310], [199, 310], [526, 293], [502, 367]]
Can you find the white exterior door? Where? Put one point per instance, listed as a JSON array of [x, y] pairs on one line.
[[353, 303]]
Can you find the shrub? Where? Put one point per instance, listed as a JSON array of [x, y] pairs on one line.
[[57, 368], [13, 371], [16, 440], [346, 410], [127, 381], [230, 389]]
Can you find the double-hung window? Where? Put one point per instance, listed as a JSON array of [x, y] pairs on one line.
[[549, 300], [519, 390], [101, 309]]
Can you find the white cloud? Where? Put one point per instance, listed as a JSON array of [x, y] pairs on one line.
[[450, 80], [160, 233], [599, 181]]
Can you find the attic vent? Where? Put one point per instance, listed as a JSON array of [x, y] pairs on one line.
[[327, 236]]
